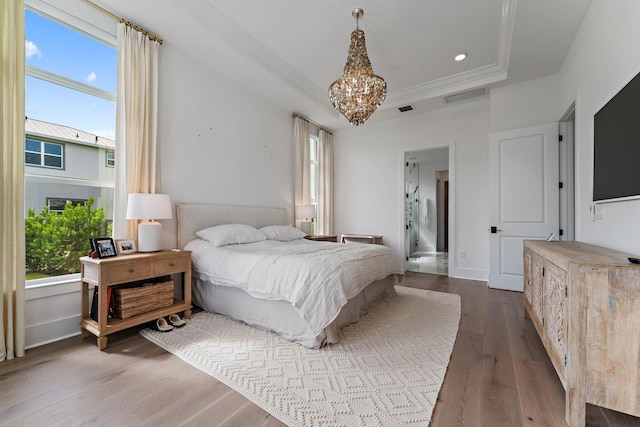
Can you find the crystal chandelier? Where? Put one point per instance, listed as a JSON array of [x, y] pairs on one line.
[[359, 92]]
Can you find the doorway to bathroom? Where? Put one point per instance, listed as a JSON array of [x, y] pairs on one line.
[[427, 211]]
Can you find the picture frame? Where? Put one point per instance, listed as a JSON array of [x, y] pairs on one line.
[[126, 246], [104, 247]]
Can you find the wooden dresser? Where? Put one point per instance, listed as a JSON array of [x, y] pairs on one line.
[[584, 302]]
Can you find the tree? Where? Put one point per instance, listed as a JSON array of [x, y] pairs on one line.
[[56, 241]]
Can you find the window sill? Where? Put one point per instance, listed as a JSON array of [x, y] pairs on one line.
[[52, 286]]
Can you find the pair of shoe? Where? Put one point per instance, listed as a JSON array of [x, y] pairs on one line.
[[166, 324]]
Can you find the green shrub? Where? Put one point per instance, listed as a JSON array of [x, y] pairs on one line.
[[55, 241]]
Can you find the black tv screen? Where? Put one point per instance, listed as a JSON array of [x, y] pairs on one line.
[[616, 134]]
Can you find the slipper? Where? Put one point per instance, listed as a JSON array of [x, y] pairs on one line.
[[176, 321], [160, 325]]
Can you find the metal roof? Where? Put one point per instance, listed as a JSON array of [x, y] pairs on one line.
[[65, 133]]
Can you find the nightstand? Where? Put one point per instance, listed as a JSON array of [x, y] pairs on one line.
[[121, 269], [323, 238], [361, 238]]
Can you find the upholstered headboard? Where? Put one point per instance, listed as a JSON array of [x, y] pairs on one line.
[[197, 216]]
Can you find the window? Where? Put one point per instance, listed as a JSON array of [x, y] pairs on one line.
[[110, 157], [56, 204], [70, 136], [314, 169], [45, 154]]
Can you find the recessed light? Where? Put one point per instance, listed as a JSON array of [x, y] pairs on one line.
[[460, 57]]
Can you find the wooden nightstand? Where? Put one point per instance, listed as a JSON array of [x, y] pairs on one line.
[[125, 269], [323, 238], [361, 238]]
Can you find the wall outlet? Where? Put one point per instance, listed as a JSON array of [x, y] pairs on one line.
[[463, 254]]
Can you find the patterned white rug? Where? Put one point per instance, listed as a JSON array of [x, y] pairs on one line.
[[387, 370]]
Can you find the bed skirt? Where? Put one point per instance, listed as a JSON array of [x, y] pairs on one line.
[[280, 316]]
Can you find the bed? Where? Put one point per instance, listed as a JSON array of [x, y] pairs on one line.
[[328, 286]]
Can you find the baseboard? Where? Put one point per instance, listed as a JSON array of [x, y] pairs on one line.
[[469, 273]]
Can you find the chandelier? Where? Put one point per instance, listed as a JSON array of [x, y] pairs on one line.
[[359, 92]]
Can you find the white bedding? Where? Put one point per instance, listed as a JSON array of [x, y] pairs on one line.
[[316, 278]]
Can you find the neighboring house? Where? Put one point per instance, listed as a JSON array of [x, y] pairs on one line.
[[63, 163]]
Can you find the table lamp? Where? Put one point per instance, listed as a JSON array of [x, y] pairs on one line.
[[147, 206], [306, 212]]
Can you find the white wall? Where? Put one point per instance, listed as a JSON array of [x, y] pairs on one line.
[[602, 60], [530, 103], [217, 143], [369, 178]]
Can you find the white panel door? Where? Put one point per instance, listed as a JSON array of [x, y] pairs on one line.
[[524, 174]]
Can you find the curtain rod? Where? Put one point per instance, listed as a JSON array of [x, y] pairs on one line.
[[124, 21], [294, 115]]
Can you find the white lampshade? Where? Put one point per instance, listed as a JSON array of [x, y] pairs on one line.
[[149, 206], [305, 212]]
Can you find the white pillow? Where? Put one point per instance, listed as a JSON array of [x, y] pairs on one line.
[[231, 234], [282, 233]]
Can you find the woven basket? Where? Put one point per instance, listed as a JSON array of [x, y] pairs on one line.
[[131, 301]]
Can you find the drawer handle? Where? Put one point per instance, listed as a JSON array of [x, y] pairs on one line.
[[131, 270], [170, 264]]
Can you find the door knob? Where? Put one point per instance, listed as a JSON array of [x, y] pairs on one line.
[[494, 229]]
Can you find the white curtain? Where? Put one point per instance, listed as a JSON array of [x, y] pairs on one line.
[[136, 123], [12, 243], [302, 162], [325, 184]]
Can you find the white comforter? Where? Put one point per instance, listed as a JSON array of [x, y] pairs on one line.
[[317, 278]]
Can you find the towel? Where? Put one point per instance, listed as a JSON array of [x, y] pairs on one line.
[[427, 212]]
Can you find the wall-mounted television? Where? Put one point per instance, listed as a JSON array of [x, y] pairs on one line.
[[616, 146]]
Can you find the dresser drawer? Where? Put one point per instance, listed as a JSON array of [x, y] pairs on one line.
[[171, 265], [91, 273], [129, 272]]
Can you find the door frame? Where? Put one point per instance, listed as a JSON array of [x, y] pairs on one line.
[[452, 201], [567, 125], [442, 205]]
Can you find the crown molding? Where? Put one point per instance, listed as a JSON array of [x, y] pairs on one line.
[[243, 43], [477, 77], [445, 86]]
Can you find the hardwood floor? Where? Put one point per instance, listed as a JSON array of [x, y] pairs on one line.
[[499, 375]]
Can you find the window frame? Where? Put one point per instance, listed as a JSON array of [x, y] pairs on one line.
[[314, 168], [80, 26], [84, 24], [76, 202], [43, 154], [107, 160]]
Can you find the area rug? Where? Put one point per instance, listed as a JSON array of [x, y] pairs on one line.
[[387, 369]]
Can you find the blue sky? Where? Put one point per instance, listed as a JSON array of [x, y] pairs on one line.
[[60, 50]]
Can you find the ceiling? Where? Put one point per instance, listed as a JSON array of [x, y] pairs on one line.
[[290, 51]]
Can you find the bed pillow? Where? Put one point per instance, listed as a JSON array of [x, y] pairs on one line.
[[231, 234], [282, 233]]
